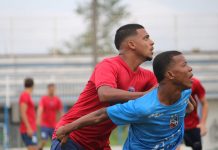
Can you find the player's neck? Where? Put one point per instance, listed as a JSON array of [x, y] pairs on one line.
[[50, 95], [28, 90], [131, 61], [168, 94]]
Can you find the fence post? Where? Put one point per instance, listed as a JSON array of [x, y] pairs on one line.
[[6, 113]]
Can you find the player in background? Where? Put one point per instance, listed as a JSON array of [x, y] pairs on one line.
[[157, 118], [28, 116], [195, 127], [49, 111], [114, 80]]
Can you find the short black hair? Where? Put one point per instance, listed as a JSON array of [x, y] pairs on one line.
[[161, 63], [50, 85], [28, 83], [125, 31]]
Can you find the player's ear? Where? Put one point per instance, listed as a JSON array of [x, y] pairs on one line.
[[170, 75], [131, 44]]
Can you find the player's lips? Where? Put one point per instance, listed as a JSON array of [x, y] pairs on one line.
[[152, 49], [190, 78]]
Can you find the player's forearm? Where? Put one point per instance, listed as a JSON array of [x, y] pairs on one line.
[[25, 120], [39, 114], [189, 107], [204, 112], [112, 95], [87, 120]]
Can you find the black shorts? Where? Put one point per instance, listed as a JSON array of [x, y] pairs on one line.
[[192, 137]]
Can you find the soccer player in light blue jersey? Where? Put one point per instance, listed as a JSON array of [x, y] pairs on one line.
[[157, 118]]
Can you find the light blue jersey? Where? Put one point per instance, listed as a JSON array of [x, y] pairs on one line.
[[153, 125]]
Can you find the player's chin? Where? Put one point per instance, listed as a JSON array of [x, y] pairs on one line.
[[188, 84], [149, 58]]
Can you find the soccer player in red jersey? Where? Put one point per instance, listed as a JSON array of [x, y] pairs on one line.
[[114, 80], [49, 112], [195, 127], [28, 116]]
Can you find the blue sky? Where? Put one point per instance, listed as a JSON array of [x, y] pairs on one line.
[[148, 12]]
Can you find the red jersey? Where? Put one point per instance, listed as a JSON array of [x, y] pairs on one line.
[[50, 106], [30, 112], [113, 72], [198, 92]]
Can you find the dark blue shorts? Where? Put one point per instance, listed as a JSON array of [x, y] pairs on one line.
[[46, 132], [192, 137], [69, 145], [29, 141]]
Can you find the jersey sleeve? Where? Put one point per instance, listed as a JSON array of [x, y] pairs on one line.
[[125, 113], [24, 99], [199, 89], [106, 74]]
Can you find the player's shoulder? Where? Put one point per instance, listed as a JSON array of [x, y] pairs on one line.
[[109, 62], [195, 80], [24, 94], [196, 83], [186, 93], [24, 97], [44, 97], [146, 72], [57, 98], [148, 102]]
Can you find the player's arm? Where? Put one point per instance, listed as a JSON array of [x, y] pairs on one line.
[[204, 112], [204, 104], [113, 95], [39, 115], [23, 109], [200, 93], [87, 120], [106, 76], [60, 111], [120, 114]]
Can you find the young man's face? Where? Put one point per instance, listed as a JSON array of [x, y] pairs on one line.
[[182, 73], [51, 90], [143, 44]]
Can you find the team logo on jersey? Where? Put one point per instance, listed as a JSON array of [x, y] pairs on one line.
[[174, 120], [131, 89]]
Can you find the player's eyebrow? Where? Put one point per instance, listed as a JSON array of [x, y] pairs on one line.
[[146, 36], [185, 62]]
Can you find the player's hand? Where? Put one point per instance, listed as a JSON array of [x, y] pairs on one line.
[[203, 129], [62, 135], [191, 105], [29, 132], [193, 102]]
